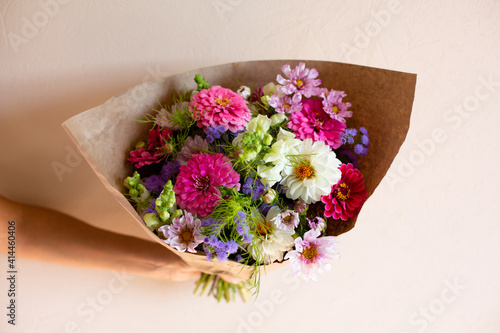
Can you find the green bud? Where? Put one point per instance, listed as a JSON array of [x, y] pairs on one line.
[[164, 215], [140, 144], [133, 192], [268, 139], [152, 221], [177, 214]]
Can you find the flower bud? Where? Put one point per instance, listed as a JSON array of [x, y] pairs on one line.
[[268, 139], [237, 153], [278, 118], [268, 196], [140, 144], [152, 221], [244, 91], [300, 206]]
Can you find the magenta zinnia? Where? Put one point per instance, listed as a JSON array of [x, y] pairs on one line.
[[313, 123], [196, 187], [312, 254], [155, 151], [347, 196], [220, 106]]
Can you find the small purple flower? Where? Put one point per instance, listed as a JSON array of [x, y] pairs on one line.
[[255, 188], [214, 132], [360, 150], [170, 170], [155, 183], [221, 249]]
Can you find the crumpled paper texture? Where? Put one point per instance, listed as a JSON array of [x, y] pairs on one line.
[[381, 102]]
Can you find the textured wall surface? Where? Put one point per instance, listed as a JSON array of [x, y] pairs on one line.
[[424, 254]]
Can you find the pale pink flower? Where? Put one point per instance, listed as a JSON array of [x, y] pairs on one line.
[[333, 105], [312, 254], [301, 81], [184, 233], [287, 220]]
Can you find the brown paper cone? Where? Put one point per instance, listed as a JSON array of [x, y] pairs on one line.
[[381, 101]]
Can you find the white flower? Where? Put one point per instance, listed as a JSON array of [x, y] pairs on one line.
[[270, 175], [271, 242], [259, 124], [244, 91], [278, 118], [312, 172]]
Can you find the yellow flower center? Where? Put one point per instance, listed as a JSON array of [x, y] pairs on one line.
[[186, 235], [335, 109], [310, 252], [263, 229], [286, 106], [342, 192], [299, 83], [304, 171], [221, 101]]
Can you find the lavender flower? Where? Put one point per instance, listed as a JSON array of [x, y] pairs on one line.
[[214, 132]]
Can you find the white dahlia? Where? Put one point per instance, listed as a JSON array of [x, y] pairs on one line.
[[312, 172], [271, 242]]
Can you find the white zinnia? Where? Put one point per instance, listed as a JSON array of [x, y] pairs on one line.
[[312, 173], [271, 242]]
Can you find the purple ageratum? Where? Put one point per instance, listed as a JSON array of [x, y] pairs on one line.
[[242, 228], [214, 132], [253, 188], [348, 136], [222, 250], [333, 105], [300, 81], [155, 183]]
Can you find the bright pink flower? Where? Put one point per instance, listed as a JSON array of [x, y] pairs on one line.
[[196, 187], [313, 123], [220, 106], [347, 196], [333, 105], [301, 82], [312, 254], [155, 151]]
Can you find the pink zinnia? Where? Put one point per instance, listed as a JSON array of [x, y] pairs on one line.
[[313, 123], [196, 187], [155, 151], [347, 196], [301, 81], [333, 105], [312, 254], [184, 233], [220, 106]]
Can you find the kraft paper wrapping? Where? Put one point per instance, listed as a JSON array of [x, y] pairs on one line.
[[381, 102]]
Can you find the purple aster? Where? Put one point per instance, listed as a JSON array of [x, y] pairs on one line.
[[333, 105], [300, 81]]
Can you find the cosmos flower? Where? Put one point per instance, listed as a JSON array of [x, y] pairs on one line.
[[300, 81], [312, 254], [311, 173], [184, 233]]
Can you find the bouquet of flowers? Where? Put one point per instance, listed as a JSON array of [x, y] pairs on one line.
[[235, 179]]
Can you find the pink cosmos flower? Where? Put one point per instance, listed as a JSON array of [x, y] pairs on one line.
[[312, 254], [184, 233], [333, 105], [196, 187], [220, 106], [287, 220], [301, 81], [347, 196], [312, 122], [155, 152], [284, 104]]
